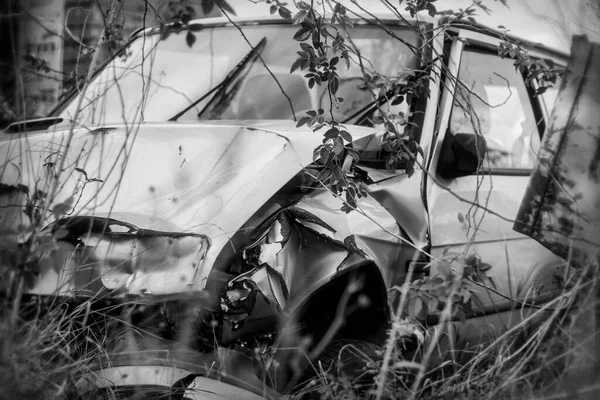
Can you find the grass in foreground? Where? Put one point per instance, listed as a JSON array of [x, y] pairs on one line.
[[47, 348]]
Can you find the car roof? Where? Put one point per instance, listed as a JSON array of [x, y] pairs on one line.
[[561, 51], [533, 21]]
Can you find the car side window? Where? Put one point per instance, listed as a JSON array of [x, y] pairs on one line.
[[491, 100]]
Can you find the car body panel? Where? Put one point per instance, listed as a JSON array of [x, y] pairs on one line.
[[561, 208], [401, 196], [189, 191], [373, 230], [224, 373], [475, 213]]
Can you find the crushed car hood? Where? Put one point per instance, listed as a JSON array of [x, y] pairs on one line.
[[202, 180]]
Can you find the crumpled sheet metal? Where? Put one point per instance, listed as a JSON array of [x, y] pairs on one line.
[[561, 207], [132, 260], [310, 243], [206, 179], [101, 254]]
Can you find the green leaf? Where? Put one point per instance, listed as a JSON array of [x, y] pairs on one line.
[[316, 152], [299, 17], [334, 84], [436, 281], [165, 31], [273, 9], [297, 64], [302, 34], [61, 209], [484, 267], [325, 153], [225, 6], [346, 136], [177, 27], [324, 175], [185, 18], [302, 121], [285, 13], [332, 133], [190, 39], [207, 6], [397, 100], [431, 10], [390, 127], [306, 47], [410, 169], [303, 5], [541, 90], [378, 120], [315, 36], [338, 148]]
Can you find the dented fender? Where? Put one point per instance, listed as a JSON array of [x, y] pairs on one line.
[[303, 247]]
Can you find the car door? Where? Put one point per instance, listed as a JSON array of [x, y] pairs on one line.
[[472, 212]]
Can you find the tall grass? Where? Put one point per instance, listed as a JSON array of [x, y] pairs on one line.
[[44, 351], [551, 354]]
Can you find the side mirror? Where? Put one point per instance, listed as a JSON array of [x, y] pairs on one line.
[[462, 155]]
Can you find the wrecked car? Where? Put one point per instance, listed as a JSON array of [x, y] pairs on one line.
[[187, 190]]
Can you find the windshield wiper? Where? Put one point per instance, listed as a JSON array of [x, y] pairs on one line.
[[248, 58], [365, 112]]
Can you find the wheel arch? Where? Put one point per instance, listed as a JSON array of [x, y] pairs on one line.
[[367, 305]]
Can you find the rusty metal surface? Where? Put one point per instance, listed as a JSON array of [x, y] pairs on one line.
[[561, 208]]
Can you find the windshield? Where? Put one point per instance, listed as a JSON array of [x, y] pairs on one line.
[[155, 80]]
